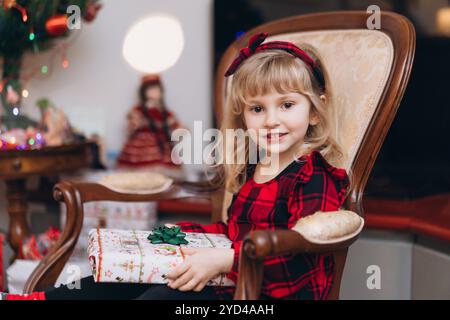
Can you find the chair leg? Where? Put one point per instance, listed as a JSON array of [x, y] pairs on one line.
[[339, 264], [17, 209], [250, 275]]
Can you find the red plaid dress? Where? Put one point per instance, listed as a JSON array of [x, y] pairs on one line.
[[301, 189]]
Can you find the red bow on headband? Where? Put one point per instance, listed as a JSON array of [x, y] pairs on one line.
[[255, 45]]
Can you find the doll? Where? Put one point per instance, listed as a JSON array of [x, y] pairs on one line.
[[54, 123], [280, 92], [150, 125]]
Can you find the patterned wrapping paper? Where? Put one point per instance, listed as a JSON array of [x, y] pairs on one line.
[[128, 256]]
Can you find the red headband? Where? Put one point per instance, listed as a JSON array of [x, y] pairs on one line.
[[254, 46]]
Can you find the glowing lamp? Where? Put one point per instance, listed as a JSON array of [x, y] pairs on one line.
[[153, 44]]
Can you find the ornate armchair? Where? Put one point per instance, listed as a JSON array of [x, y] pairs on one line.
[[369, 71]]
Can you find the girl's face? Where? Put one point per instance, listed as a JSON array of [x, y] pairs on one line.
[[279, 120], [153, 93]]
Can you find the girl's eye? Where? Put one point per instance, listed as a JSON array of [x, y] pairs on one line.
[[287, 105], [256, 109]]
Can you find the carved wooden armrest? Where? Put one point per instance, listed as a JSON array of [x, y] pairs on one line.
[[262, 243], [74, 194]]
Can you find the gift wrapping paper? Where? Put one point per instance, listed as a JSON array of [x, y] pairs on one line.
[[128, 256]]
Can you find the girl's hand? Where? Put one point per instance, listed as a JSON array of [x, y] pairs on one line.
[[200, 266]]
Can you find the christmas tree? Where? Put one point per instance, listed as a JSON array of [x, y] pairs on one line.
[[31, 25]]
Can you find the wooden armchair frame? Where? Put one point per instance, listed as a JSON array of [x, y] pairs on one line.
[[259, 244]]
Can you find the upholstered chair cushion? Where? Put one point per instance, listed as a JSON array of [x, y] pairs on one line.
[[136, 182], [329, 227]]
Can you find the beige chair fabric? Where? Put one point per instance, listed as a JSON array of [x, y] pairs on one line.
[[330, 226], [136, 182]]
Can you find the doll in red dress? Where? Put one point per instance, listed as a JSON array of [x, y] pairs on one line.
[[150, 125]]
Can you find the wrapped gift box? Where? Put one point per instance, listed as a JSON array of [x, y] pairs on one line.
[[128, 256]]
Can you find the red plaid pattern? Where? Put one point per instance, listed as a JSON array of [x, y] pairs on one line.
[[301, 189]]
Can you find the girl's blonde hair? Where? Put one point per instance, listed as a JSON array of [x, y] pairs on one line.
[[278, 70]]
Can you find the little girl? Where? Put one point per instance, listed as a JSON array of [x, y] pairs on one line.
[[280, 93]]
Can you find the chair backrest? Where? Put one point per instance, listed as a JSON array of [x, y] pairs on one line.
[[369, 71]]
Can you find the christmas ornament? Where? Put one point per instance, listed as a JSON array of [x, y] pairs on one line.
[[168, 235], [56, 25]]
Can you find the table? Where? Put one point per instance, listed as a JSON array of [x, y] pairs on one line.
[[18, 165]]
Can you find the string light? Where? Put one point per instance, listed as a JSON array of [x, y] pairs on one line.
[[49, 67], [31, 36], [8, 4], [25, 93], [15, 111], [46, 68], [65, 63]]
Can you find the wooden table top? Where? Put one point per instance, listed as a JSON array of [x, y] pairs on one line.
[[47, 160]]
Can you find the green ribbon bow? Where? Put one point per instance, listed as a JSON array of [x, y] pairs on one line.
[[168, 235]]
